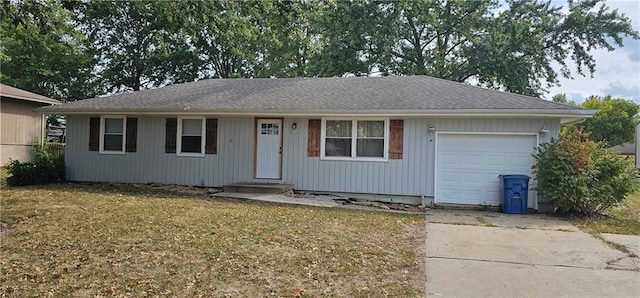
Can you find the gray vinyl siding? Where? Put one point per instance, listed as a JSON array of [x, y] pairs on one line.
[[150, 164], [413, 175]]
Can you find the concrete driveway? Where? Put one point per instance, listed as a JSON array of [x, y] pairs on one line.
[[489, 254]]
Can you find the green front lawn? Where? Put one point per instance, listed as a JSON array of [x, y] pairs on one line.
[[620, 220], [106, 240]]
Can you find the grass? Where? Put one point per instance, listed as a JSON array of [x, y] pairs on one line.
[[484, 222], [114, 240], [621, 220], [3, 177]]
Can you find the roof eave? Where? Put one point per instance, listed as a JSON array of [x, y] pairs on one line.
[[45, 101], [569, 114]]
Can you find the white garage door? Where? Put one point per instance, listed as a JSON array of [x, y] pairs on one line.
[[468, 166]]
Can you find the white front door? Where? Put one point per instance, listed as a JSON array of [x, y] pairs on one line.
[[269, 149]]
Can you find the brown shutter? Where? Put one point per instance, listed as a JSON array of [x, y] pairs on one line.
[[396, 137], [171, 132], [94, 134], [313, 138], [132, 135], [211, 147]]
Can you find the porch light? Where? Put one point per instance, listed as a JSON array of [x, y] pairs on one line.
[[544, 130], [431, 128], [294, 125]]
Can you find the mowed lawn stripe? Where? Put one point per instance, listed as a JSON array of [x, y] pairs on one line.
[[87, 240]]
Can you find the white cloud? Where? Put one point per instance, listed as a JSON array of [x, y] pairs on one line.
[[617, 72]]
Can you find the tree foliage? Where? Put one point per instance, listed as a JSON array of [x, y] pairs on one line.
[[510, 46], [41, 51], [79, 49], [138, 44], [579, 176], [562, 98], [614, 124]]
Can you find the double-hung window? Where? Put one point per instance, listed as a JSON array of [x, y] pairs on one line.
[[112, 134], [364, 139], [191, 136]]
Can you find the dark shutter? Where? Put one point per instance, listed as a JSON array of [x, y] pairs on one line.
[[396, 138], [132, 135], [171, 132], [313, 138], [94, 134], [211, 147]]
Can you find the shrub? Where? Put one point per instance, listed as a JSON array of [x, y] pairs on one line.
[[42, 169], [579, 176]]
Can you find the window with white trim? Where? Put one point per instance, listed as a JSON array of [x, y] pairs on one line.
[[112, 134], [361, 138], [191, 136]]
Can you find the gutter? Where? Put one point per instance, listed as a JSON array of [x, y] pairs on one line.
[[578, 113]]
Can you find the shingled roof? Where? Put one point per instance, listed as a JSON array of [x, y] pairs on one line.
[[13, 92], [391, 95]]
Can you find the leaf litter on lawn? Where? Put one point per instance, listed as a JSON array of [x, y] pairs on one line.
[[118, 240]]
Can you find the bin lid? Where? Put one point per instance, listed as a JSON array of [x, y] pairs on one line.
[[515, 177]]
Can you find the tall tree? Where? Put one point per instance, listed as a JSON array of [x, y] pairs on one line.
[[223, 34], [287, 37], [615, 121], [41, 51], [562, 98], [139, 44], [510, 46], [353, 37]]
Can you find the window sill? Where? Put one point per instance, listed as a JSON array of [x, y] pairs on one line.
[[112, 152], [190, 154], [366, 159]]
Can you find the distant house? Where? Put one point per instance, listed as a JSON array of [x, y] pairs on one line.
[[21, 125], [624, 149], [396, 135], [638, 144]]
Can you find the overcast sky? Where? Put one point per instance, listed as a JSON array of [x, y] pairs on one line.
[[617, 73]]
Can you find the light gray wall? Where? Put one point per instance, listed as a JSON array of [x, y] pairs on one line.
[[233, 163], [413, 175]]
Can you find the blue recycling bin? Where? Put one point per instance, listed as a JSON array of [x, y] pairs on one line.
[[515, 189]]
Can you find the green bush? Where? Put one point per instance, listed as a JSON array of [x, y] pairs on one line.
[[43, 169], [579, 176]]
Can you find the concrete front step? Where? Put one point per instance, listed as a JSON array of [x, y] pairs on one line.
[[271, 188]]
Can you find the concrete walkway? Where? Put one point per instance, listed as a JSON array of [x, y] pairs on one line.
[[488, 254], [278, 198], [327, 201]]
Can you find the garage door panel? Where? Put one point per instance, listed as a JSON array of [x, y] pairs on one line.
[[451, 159], [468, 173], [493, 197], [521, 161], [496, 143], [473, 142], [496, 160], [450, 143], [450, 193], [450, 177], [470, 178], [473, 160], [521, 143]]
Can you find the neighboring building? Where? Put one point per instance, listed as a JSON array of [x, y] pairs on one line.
[[637, 146], [624, 149], [21, 124], [395, 135]]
